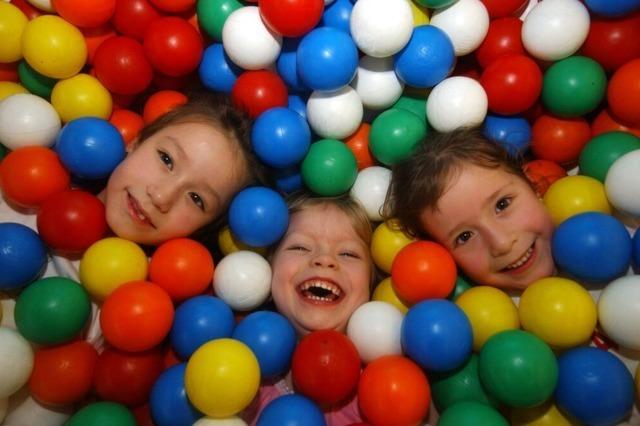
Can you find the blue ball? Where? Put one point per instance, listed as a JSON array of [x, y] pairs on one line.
[[338, 15], [198, 320], [90, 147], [23, 255], [327, 59], [615, 8], [272, 339], [512, 133], [287, 65], [258, 216], [168, 400], [593, 247], [298, 103], [217, 71], [291, 410], [427, 59], [636, 250], [280, 137], [437, 335], [288, 180], [594, 386]]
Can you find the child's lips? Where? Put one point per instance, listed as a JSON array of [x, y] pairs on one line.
[[320, 291], [524, 262], [136, 211]]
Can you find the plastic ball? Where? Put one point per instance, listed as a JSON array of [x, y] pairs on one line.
[[489, 311], [384, 292], [338, 15], [512, 83], [258, 216], [621, 184], [128, 124], [53, 47], [594, 386], [243, 280], [387, 240], [109, 263], [85, 15], [462, 285], [335, 115], [291, 409], [608, 9], [329, 168], [121, 65], [35, 82], [81, 96], [26, 120], [381, 28], [168, 400], [542, 174], [100, 413], [592, 246], [226, 421], [610, 41], [174, 6], [375, 330], [456, 102], [603, 150], [228, 243], [222, 377], [292, 18], [636, 249], [555, 30], [248, 41], [358, 143], [52, 310], [573, 195], [199, 320], [466, 22], [395, 135], [546, 414], [370, 189], [287, 65], [416, 104], [23, 256], [377, 83], [12, 25], [212, 15], [618, 312], [216, 70], [559, 139], [160, 103], [469, 413], [173, 46], [501, 8], [16, 361], [288, 180], [280, 137], [8, 88], [605, 122], [502, 39], [133, 17], [512, 133], [427, 59], [32, 174], [518, 368], [393, 381], [259, 91]]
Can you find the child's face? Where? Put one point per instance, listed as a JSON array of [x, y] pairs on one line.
[[497, 230], [178, 180], [321, 270]]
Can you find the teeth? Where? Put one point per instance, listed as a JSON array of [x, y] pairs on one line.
[[321, 284], [522, 260]]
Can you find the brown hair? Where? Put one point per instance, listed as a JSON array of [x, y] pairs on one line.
[[419, 182]]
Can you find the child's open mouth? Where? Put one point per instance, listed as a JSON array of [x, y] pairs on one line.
[[523, 262], [318, 291]]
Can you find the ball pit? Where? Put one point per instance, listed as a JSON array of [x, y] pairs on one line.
[[26, 119]]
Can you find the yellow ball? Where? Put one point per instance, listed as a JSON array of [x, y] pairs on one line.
[[109, 263], [559, 311], [12, 25], [81, 96], [384, 292], [490, 311], [222, 377], [386, 242], [420, 14], [573, 195], [8, 88], [229, 244], [543, 415], [54, 47]]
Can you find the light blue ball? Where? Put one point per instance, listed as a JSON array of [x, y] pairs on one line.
[[287, 65], [280, 137], [338, 15], [217, 72], [168, 401], [258, 216], [291, 410]]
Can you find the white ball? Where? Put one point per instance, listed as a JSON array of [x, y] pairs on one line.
[[16, 361], [456, 102], [555, 29], [336, 114], [622, 184], [25, 411], [374, 328], [242, 280], [43, 5], [466, 22], [27, 119], [377, 83], [370, 189], [228, 421], [619, 311], [530, 6], [248, 41], [381, 28]]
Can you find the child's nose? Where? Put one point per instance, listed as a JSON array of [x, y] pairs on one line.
[[501, 242], [162, 196], [324, 260]]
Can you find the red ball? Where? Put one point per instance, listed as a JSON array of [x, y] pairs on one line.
[[326, 367], [9, 72], [291, 18], [26, 8], [258, 91], [127, 377], [559, 139], [161, 103], [136, 316], [94, 37], [542, 174], [423, 270], [128, 124], [613, 42], [394, 391], [82, 13], [31, 174], [623, 93], [174, 6], [173, 46], [604, 122], [513, 84], [143, 415], [62, 374], [502, 39], [122, 67], [71, 220], [133, 17], [502, 8], [358, 143]]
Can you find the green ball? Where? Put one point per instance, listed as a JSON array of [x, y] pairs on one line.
[[415, 104], [102, 414], [461, 384], [462, 284], [436, 4], [3, 151], [35, 82], [395, 135], [329, 168], [52, 310], [471, 413], [574, 86], [518, 368], [603, 150], [212, 15]]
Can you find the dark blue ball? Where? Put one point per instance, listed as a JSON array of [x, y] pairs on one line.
[[217, 72], [168, 401], [636, 250], [258, 216], [298, 103], [592, 246], [287, 65], [280, 137], [288, 180], [615, 8], [23, 255], [338, 15], [512, 133], [291, 410]]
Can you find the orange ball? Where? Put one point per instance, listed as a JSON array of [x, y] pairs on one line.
[[542, 173], [94, 38], [161, 103], [86, 14], [183, 267], [136, 316], [29, 175], [128, 124], [559, 139], [423, 270], [358, 143], [623, 93], [393, 390], [605, 122]]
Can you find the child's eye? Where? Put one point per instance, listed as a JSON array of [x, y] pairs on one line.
[[502, 204], [166, 159], [463, 238], [297, 248], [197, 200], [351, 254]]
